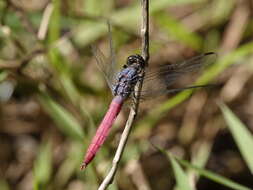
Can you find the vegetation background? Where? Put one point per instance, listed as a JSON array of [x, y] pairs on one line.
[[53, 96]]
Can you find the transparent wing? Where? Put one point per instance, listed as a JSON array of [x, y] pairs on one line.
[[112, 51], [158, 81], [106, 65]]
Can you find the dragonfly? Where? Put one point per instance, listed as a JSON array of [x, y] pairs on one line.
[[157, 81]]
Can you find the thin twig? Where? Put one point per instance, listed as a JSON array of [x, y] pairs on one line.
[[145, 31], [134, 109], [45, 22]]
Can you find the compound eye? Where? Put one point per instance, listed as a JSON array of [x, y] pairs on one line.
[[130, 60]]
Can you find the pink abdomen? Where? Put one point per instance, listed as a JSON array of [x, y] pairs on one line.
[[103, 130]]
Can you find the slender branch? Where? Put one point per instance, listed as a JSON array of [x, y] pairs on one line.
[[134, 109], [145, 30], [45, 22]]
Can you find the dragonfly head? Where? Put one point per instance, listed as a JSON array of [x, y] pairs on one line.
[[135, 60]]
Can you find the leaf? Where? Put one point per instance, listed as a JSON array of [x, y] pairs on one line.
[[213, 176], [241, 134], [175, 29], [70, 165], [64, 119], [180, 175], [54, 24], [127, 18], [208, 174], [98, 7], [43, 166]]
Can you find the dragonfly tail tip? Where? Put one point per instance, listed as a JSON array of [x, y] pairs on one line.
[[83, 166]]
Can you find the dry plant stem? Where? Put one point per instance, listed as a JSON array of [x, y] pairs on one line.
[[134, 109], [45, 22], [145, 30]]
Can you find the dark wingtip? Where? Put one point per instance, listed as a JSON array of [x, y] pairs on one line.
[[83, 166]]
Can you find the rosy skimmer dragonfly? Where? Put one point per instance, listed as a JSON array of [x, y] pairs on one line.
[[156, 82]]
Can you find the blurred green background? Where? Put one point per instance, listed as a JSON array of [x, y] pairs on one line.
[[52, 96]]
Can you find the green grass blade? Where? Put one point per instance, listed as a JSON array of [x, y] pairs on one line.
[[205, 173], [54, 31], [200, 158], [214, 177], [71, 164], [180, 175], [56, 60], [127, 18], [43, 166], [69, 88], [176, 30], [98, 7], [242, 136], [64, 119], [54, 24]]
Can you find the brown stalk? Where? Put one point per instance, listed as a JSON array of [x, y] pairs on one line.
[[134, 109]]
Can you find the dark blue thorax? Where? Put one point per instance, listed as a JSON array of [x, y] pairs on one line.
[[126, 80]]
